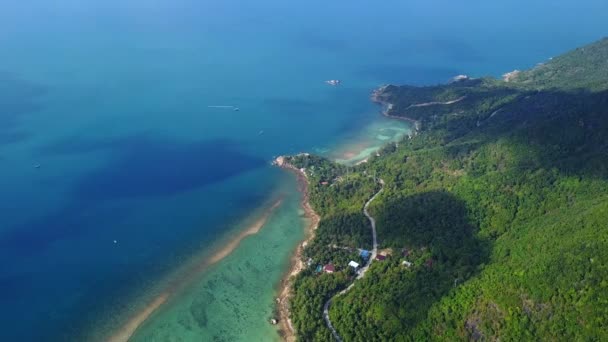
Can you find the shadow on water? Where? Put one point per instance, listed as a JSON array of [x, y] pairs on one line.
[[434, 227], [144, 166], [17, 98], [139, 167], [35, 236], [152, 168]]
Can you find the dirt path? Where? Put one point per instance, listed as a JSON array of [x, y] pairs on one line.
[[362, 271], [426, 104]]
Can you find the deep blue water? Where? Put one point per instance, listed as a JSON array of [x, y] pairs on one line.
[[112, 99]]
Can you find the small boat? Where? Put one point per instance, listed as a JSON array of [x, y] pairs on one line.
[[333, 82], [260, 132], [236, 109], [37, 166]]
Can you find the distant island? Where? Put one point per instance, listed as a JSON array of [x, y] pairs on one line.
[[491, 223]]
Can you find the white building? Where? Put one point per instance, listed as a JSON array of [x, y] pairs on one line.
[[353, 264]]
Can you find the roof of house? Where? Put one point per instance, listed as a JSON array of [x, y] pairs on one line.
[[329, 268], [364, 253], [353, 264], [380, 257]]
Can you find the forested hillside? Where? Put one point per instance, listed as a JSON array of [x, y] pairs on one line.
[[499, 202]]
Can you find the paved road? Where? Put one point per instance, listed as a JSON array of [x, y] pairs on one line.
[[362, 271]]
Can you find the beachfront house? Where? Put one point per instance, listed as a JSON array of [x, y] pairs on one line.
[[329, 268], [353, 265]]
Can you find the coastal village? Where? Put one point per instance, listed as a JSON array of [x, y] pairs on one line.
[[408, 256], [351, 261], [347, 263]]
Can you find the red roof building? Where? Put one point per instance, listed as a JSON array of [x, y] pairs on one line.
[[380, 257], [329, 268]]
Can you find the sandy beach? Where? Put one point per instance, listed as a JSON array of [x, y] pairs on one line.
[[286, 330], [190, 273]]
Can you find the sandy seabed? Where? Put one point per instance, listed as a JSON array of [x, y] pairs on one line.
[[192, 272], [287, 331]]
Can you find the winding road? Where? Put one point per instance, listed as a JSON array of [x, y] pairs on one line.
[[426, 104], [362, 271]]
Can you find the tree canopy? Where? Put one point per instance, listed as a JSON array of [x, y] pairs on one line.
[[499, 202]]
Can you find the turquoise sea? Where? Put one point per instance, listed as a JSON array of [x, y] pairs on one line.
[[123, 161]]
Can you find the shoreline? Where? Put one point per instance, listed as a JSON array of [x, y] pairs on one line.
[[286, 330], [191, 272], [376, 97]]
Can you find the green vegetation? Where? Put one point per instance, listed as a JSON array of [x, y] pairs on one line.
[[583, 68], [336, 193], [501, 202]]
